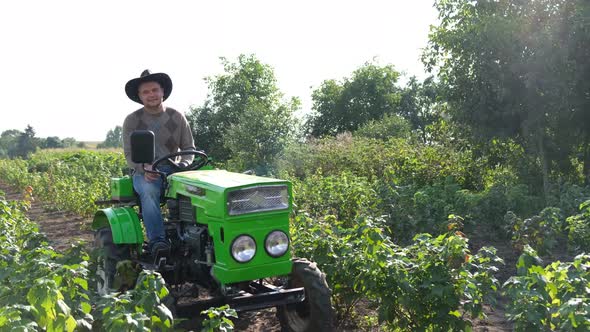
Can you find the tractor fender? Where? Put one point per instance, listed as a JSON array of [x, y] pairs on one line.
[[124, 224]]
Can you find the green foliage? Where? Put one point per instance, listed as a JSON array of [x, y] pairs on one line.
[[487, 208], [390, 125], [245, 116], [568, 197], [24, 144], [369, 94], [41, 289], [578, 227], [114, 139], [420, 287], [8, 141], [412, 209], [52, 142], [17, 144], [70, 142], [218, 319], [419, 104], [259, 135], [69, 180], [518, 70], [396, 161], [542, 232], [554, 298], [414, 186], [139, 309], [345, 196]]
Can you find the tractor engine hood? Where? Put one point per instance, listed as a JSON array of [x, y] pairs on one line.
[[222, 179], [223, 194]]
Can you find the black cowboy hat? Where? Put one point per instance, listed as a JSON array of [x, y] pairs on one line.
[[132, 87]]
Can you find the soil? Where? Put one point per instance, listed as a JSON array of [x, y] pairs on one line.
[[61, 228], [64, 229]]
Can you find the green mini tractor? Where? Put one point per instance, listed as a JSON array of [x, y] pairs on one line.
[[229, 236]]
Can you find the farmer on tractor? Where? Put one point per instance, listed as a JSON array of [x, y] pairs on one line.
[[172, 134], [225, 232]]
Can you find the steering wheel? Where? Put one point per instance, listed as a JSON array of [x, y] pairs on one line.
[[200, 160]]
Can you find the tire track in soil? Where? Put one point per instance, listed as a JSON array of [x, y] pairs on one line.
[[63, 229]]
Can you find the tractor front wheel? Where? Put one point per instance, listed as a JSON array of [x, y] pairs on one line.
[[109, 254], [315, 313]]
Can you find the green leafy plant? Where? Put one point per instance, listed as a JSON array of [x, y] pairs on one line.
[[138, 309], [218, 319], [542, 232], [434, 283], [69, 180], [41, 289], [551, 298], [578, 227]]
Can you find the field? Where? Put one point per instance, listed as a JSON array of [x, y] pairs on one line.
[[64, 230], [457, 202], [450, 277]]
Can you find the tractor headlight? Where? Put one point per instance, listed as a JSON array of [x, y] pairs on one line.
[[277, 243], [256, 199], [243, 248]]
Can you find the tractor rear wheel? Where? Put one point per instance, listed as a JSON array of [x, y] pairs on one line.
[[315, 313], [109, 254]]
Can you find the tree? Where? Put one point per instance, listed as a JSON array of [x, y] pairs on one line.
[[69, 142], [114, 139], [26, 143], [8, 142], [51, 142], [369, 94], [260, 134], [419, 105], [578, 39], [505, 67], [244, 117]]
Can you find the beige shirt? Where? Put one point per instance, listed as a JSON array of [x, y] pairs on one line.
[[171, 129]]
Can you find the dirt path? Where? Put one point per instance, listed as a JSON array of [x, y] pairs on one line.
[[61, 228], [64, 229]]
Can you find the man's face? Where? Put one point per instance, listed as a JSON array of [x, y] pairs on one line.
[[151, 94]]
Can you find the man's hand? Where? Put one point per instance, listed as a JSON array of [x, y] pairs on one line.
[[149, 177]]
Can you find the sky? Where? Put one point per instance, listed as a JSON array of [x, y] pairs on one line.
[[64, 64]]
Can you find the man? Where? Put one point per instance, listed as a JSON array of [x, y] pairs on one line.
[[172, 133]]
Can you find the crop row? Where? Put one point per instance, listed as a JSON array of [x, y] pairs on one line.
[[43, 290], [66, 180]]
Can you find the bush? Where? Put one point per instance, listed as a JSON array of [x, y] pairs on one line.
[[345, 196], [391, 125], [578, 227], [396, 161], [410, 210], [433, 284], [542, 232], [553, 298], [485, 210]]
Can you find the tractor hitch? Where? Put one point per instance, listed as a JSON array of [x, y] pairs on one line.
[[245, 301]]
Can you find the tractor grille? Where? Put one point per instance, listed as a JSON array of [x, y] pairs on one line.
[[257, 199]]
